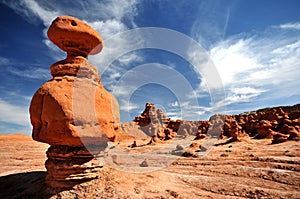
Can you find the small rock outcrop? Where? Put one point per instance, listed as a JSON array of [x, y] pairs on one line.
[[73, 112], [154, 123]]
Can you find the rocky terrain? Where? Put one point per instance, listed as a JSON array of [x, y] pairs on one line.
[[249, 165], [251, 168]]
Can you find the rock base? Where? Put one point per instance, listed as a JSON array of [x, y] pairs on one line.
[[67, 166]]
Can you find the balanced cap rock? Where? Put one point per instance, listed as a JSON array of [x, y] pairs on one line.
[[74, 36], [73, 112]]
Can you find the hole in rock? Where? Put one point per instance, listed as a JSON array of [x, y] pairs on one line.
[[73, 23]]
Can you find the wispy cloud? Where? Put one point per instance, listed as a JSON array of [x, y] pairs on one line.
[[107, 17], [32, 73], [32, 11], [14, 114], [29, 71], [188, 110], [108, 28], [265, 68], [233, 59], [45, 15], [295, 26], [4, 61], [93, 10], [127, 106], [211, 22]]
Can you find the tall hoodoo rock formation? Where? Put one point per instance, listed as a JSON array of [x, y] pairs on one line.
[[73, 112]]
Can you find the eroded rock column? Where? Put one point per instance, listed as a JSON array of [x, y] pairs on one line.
[[73, 112]]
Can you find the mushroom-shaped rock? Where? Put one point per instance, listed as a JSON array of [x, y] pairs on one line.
[[73, 112], [74, 36]]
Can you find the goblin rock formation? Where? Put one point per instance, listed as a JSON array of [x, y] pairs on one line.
[[73, 112], [153, 122], [157, 125], [279, 124]]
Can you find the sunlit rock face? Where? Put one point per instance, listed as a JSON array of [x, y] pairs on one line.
[[279, 124], [73, 112]]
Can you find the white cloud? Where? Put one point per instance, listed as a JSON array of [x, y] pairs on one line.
[[234, 59], [32, 11], [235, 98], [264, 68], [107, 17], [120, 8], [129, 107], [246, 91], [237, 95], [45, 15], [14, 114], [295, 26], [36, 73], [118, 53], [4, 61], [175, 118], [93, 10], [211, 22], [174, 104], [108, 28], [188, 110]]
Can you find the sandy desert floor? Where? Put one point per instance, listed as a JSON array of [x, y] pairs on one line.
[[247, 169]]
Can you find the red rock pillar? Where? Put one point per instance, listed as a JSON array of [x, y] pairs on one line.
[[73, 112]]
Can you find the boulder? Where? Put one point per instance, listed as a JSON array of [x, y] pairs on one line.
[[279, 138], [294, 133], [264, 130], [74, 36]]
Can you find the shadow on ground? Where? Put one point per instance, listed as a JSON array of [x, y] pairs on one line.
[[25, 185]]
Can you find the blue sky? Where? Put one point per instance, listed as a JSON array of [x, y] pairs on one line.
[[254, 46]]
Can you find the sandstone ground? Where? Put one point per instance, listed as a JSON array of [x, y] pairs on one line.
[[245, 169]]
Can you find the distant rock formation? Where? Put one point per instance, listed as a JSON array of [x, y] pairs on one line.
[[73, 112], [279, 124], [273, 123], [154, 123]]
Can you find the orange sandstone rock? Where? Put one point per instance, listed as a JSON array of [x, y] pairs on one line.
[[74, 36], [75, 66], [65, 112], [73, 112], [73, 108]]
